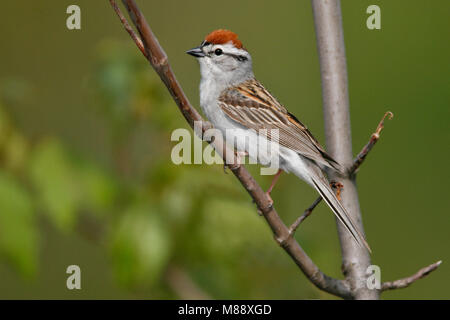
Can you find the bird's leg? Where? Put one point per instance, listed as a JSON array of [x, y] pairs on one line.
[[338, 186], [274, 181]]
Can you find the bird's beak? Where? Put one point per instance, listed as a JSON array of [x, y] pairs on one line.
[[196, 52]]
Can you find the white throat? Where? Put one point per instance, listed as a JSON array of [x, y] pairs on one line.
[[218, 76], [212, 84]]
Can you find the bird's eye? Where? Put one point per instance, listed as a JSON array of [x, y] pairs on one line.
[[218, 52]]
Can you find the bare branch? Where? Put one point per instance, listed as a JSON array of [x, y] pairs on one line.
[[183, 285], [405, 282], [305, 215], [336, 109], [353, 169], [159, 61], [127, 27], [373, 139]]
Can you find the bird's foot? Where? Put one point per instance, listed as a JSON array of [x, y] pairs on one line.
[[338, 186]]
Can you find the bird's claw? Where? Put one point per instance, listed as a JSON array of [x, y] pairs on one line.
[[338, 186]]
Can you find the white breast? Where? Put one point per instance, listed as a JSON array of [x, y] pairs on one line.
[[235, 134]]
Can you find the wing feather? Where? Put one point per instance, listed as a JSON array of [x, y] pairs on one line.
[[251, 105]]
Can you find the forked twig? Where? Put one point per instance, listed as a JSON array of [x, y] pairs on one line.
[[130, 30], [353, 169], [373, 139], [359, 159]]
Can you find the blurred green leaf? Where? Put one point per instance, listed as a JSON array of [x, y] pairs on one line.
[[237, 222], [99, 190], [5, 125], [15, 152], [115, 78], [140, 247], [18, 233], [55, 183], [13, 144]]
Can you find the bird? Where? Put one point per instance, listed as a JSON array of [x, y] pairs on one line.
[[246, 113]]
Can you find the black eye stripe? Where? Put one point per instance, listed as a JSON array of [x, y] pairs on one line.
[[204, 43], [236, 56], [219, 52]]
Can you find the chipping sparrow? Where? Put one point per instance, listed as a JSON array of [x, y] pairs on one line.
[[239, 106]]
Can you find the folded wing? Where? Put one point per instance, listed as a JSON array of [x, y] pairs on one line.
[[251, 105]]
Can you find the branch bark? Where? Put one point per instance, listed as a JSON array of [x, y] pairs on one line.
[[333, 69], [373, 139]]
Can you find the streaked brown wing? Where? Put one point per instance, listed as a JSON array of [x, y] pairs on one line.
[[251, 105]]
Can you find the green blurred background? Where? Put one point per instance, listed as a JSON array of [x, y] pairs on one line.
[[85, 170]]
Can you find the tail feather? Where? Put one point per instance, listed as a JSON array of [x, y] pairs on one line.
[[341, 213]]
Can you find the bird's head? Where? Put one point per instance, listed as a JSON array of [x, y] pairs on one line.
[[222, 56]]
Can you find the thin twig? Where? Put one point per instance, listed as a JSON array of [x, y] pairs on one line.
[[405, 282], [158, 59], [373, 139], [127, 27], [305, 215], [353, 169], [183, 285]]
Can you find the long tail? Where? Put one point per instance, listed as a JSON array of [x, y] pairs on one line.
[[321, 184]]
